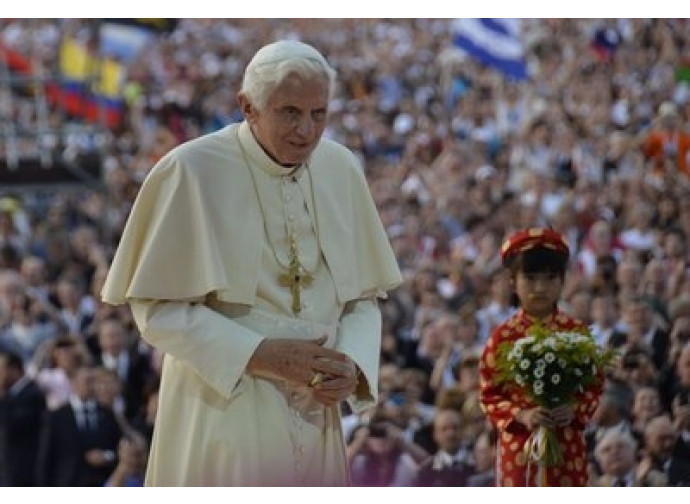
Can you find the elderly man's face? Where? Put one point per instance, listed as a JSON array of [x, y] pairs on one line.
[[617, 457], [660, 438], [290, 125]]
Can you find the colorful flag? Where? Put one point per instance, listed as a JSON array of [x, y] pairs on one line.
[[493, 42], [90, 86], [123, 42], [75, 61]]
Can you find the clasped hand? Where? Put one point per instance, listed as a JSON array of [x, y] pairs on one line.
[[539, 416], [297, 361]]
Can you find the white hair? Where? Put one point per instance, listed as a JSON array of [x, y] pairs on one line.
[[612, 436], [274, 62]]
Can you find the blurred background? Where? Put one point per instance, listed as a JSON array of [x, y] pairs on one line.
[[467, 129]]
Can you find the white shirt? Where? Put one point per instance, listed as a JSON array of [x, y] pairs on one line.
[[84, 412], [120, 363], [444, 459]]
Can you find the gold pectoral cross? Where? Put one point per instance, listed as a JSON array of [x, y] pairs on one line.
[[295, 278]]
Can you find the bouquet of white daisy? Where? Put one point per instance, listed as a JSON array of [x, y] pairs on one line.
[[551, 368]]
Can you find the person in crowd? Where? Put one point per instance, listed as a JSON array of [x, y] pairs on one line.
[[616, 453], [579, 305], [76, 310], [452, 463], [108, 393], [33, 271], [145, 420], [484, 473], [659, 460], [646, 405], [379, 454], [500, 306], [675, 374], [11, 290], [78, 444], [604, 315], [32, 323], [267, 312], [443, 331], [680, 405], [22, 406], [55, 365], [640, 236], [667, 144], [537, 259], [116, 351], [681, 421], [629, 274], [600, 241], [613, 413], [132, 452], [406, 406], [636, 368], [642, 330], [675, 262], [604, 280]]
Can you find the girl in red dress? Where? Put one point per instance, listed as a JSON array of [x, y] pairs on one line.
[[537, 259]]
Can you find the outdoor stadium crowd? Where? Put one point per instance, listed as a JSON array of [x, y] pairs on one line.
[[596, 144]]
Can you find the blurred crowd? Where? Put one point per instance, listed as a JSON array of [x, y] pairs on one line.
[[596, 144]]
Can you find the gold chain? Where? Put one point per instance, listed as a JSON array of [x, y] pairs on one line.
[[297, 275]]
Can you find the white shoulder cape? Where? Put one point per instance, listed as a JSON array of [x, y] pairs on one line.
[[195, 227]]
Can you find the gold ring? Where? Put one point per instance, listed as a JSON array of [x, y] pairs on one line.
[[316, 379]]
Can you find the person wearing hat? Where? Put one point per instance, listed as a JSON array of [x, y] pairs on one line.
[[253, 259], [537, 259]]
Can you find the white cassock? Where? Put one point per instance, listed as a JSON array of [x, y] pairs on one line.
[[201, 276]]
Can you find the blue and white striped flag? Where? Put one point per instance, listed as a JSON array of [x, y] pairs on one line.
[[493, 42]]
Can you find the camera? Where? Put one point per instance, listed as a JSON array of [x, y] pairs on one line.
[[378, 430]]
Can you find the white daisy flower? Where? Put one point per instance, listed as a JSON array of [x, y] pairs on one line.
[[538, 387], [550, 342]]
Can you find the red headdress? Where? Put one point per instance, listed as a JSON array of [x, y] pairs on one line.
[[531, 238]]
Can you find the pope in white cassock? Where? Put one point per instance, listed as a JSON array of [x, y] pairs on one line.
[[253, 258]]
